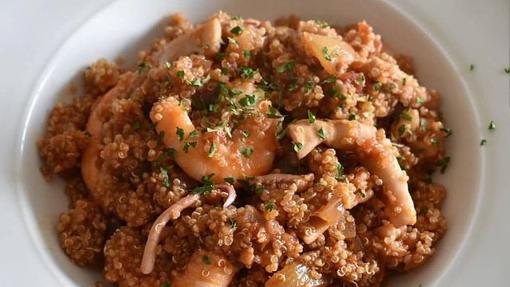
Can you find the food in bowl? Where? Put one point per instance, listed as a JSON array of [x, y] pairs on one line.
[[244, 153]]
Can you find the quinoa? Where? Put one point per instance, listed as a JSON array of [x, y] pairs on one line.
[[263, 78]]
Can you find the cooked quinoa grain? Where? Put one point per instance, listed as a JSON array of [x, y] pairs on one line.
[[244, 153]]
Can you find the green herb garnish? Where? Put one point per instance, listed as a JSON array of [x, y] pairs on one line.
[[443, 163], [286, 67], [326, 54], [298, 147], [247, 72], [166, 180], [483, 142], [270, 206], [322, 134], [237, 30], [206, 260], [492, 126], [311, 117], [248, 100], [246, 151], [180, 74], [212, 150], [233, 223], [180, 133]]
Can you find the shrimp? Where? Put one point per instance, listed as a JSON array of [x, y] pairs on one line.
[[376, 153], [90, 169], [206, 269], [238, 157], [205, 39]]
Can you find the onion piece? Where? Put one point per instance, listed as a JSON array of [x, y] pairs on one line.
[[206, 269], [294, 275], [333, 53], [322, 219]]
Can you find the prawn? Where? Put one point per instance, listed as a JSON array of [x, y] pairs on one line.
[[90, 169], [206, 39], [237, 157], [376, 152]]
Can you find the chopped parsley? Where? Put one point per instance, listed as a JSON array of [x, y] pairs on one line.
[[237, 30], [326, 54], [206, 187], [187, 145], [245, 133], [233, 223], [322, 134], [166, 180], [339, 171], [492, 126], [229, 179], [405, 116], [420, 100], [270, 206], [180, 74], [298, 147], [353, 117], [273, 113], [311, 117], [161, 136], [309, 85], [402, 130], [424, 210], [246, 151], [212, 150], [197, 82], [404, 81], [377, 86], [321, 23], [168, 153], [247, 72], [361, 80], [286, 67], [168, 65], [143, 67], [471, 67], [361, 193], [193, 134], [448, 131], [219, 56], [483, 142], [329, 80], [247, 54], [443, 163], [166, 284], [336, 94], [206, 260], [180, 133], [248, 100], [507, 70]]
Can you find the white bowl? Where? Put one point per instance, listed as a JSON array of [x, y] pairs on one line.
[[123, 27]]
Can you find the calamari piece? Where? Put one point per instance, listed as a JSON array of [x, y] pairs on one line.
[[376, 153], [333, 53], [171, 213], [205, 39], [206, 269], [322, 219]]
